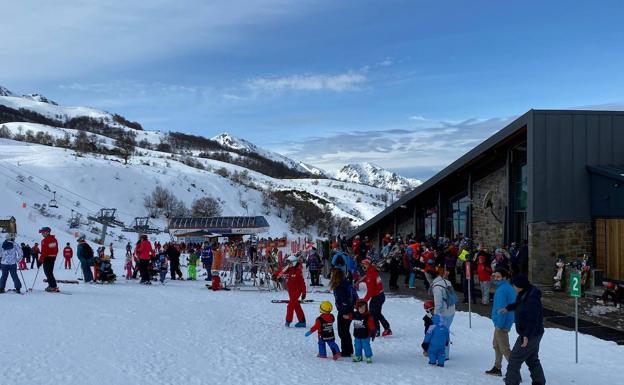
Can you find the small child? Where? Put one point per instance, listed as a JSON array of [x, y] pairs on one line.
[[128, 266], [428, 305], [192, 265], [435, 342], [325, 326], [163, 266], [363, 331], [484, 271]]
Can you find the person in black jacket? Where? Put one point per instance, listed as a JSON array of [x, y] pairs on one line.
[[174, 262], [345, 297], [529, 319]]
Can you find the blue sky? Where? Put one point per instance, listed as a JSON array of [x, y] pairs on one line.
[[408, 85]]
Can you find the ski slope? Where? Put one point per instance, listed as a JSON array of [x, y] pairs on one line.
[[181, 333]]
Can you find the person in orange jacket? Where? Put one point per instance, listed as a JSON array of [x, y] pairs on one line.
[[68, 253], [296, 288], [49, 251]]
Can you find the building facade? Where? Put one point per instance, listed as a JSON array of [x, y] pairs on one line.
[[551, 178]]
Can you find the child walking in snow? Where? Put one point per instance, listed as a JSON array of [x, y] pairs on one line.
[[128, 266], [324, 325], [435, 342], [163, 266], [363, 331]]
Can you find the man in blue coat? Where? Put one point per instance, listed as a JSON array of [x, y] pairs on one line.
[[529, 318], [505, 295]]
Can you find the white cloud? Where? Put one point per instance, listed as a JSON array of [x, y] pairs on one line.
[[386, 62], [418, 118], [347, 81]]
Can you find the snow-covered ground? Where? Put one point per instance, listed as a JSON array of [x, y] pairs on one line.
[[181, 333]]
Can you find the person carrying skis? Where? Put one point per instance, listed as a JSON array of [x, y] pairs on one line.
[[49, 251], [363, 331], [84, 252], [375, 293], [324, 325], [68, 253], [145, 252], [10, 255], [296, 288]]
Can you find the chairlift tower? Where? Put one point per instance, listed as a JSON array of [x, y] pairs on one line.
[[142, 226], [106, 217]]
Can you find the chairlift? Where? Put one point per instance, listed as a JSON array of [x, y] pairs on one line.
[[74, 221], [53, 204]]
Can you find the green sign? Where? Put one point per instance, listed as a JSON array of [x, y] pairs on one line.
[[575, 284]]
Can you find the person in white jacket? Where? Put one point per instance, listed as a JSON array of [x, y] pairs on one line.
[[444, 299], [10, 255]]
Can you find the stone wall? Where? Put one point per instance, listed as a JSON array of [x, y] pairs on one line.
[[548, 240], [486, 229]]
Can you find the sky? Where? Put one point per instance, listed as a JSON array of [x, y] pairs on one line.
[[407, 85]]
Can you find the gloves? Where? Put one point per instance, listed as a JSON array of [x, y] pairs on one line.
[[308, 333]]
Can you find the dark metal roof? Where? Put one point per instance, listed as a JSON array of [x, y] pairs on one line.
[[208, 223], [464, 160], [611, 172]]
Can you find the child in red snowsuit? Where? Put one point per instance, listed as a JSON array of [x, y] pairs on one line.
[[296, 288], [68, 253], [484, 271], [324, 325]]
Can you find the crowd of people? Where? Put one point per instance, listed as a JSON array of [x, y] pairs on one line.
[[435, 262]]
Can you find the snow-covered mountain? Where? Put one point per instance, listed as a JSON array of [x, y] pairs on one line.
[[371, 175], [234, 143]]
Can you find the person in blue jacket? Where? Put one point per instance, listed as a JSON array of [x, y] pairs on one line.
[[345, 297], [529, 319], [503, 296], [206, 259], [435, 342]]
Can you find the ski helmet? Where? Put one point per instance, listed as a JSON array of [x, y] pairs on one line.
[[325, 307], [428, 305]]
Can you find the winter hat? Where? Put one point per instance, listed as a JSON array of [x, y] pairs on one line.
[[428, 305], [521, 281], [45, 230], [326, 307]]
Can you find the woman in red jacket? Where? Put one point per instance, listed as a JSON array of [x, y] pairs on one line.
[[375, 292], [296, 288], [144, 251]]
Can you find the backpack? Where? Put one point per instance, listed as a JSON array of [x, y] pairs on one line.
[[451, 296]]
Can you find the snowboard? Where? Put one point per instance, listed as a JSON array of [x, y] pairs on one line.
[[286, 301], [63, 281]]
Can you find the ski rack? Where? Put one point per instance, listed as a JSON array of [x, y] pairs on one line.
[[142, 226]]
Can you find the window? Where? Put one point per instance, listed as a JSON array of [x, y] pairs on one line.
[[431, 222], [460, 215]]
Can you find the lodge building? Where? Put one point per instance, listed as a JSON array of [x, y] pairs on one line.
[[553, 178]]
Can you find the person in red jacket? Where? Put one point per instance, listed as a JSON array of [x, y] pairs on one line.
[[296, 288], [144, 252], [375, 293], [49, 251], [68, 253], [484, 271], [355, 246]]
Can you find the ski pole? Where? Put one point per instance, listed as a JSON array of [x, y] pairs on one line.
[[35, 280], [77, 267], [25, 285]]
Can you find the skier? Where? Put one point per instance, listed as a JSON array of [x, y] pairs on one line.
[[49, 251], [206, 259], [84, 252], [68, 253], [111, 251], [363, 331], [375, 292], [296, 288], [10, 255], [145, 252], [324, 325], [436, 339], [192, 265], [503, 296]]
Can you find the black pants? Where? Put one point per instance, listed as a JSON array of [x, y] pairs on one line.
[[346, 344], [375, 306], [35, 259], [48, 270], [395, 270], [175, 268], [315, 277], [528, 355], [144, 269]]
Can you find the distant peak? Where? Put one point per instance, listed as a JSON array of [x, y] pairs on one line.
[[5, 92], [39, 98]]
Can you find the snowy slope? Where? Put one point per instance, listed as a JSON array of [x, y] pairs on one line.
[[239, 144], [181, 333], [371, 175]]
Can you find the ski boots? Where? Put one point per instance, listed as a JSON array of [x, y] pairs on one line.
[[369, 360], [287, 324], [300, 324], [386, 333], [357, 359], [18, 291], [337, 356], [2, 291], [494, 372], [52, 289]]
